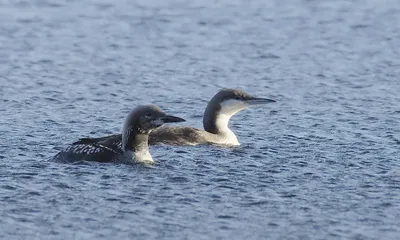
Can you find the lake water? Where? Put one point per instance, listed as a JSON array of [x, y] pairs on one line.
[[321, 163]]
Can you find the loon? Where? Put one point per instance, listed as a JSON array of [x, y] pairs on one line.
[[132, 146], [220, 109]]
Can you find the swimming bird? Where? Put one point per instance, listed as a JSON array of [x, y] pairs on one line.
[[132, 144], [220, 109]]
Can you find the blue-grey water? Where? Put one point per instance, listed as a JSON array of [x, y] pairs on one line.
[[321, 163]]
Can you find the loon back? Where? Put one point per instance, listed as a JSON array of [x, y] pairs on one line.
[[178, 136], [88, 149], [163, 135], [113, 141]]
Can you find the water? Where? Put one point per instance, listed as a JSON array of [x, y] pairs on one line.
[[321, 163]]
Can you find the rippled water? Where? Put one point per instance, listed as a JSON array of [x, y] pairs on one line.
[[321, 163]]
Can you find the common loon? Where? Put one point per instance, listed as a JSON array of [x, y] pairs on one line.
[[131, 147], [225, 104]]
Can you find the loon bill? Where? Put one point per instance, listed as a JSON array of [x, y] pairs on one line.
[[130, 146]]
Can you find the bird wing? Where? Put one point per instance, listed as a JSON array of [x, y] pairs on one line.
[[111, 142]]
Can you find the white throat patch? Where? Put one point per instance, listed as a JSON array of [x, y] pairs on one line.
[[228, 109]]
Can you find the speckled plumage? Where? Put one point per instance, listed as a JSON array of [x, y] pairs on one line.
[[85, 149]]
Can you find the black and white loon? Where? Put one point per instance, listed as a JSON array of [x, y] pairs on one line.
[[132, 144], [225, 104]]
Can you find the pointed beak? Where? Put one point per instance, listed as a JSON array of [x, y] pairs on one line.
[[259, 101], [170, 119]]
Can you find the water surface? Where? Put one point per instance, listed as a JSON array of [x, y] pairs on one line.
[[321, 163]]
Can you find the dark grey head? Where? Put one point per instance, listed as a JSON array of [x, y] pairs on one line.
[[228, 102], [142, 120]]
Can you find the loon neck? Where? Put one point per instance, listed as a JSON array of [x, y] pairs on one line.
[[141, 149], [219, 125], [216, 119], [137, 143]]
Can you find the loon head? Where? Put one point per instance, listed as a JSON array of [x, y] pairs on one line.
[[225, 104], [141, 121]]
